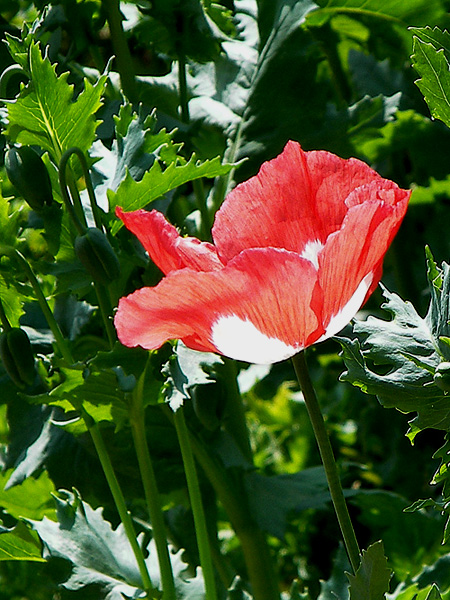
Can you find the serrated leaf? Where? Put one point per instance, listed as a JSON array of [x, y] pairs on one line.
[[432, 64], [20, 543], [102, 555], [45, 112], [371, 581], [187, 369], [133, 195], [396, 359]]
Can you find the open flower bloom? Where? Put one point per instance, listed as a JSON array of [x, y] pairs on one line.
[[297, 251]]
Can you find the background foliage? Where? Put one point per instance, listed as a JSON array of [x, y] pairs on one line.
[[172, 103]]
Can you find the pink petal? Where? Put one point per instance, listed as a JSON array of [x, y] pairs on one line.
[[259, 308], [167, 249], [298, 198], [350, 264]]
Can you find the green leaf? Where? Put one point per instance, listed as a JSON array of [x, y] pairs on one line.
[[430, 59], [31, 499], [434, 593], [133, 195], [98, 392], [187, 369], [274, 499], [371, 581], [336, 587], [20, 543], [46, 113], [414, 11], [103, 556], [396, 359]]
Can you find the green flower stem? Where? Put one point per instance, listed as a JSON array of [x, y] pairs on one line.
[[253, 542], [91, 425], [329, 463], [196, 504], [119, 500], [104, 303], [121, 50], [137, 422], [234, 418], [48, 314]]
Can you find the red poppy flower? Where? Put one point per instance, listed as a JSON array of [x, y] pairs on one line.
[[297, 250]]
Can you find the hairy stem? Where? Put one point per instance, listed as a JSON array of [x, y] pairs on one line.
[[329, 463]]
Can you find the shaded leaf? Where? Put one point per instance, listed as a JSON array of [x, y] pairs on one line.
[[371, 581], [273, 499]]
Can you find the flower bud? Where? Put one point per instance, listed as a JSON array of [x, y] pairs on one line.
[[97, 256], [28, 174], [17, 356]]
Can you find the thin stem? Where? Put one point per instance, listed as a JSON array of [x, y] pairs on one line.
[[329, 463], [253, 542], [121, 50], [182, 88], [196, 505], [78, 219], [104, 304], [137, 422], [48, 314], [119, 501], [234, 417], [91, 425]]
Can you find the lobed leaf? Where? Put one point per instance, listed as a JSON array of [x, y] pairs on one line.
[[431, 60], [371, 581], [102, 555], [396, 359], [133, 195], [46, 114]]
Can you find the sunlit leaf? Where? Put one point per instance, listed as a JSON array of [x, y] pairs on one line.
[[46, 113]]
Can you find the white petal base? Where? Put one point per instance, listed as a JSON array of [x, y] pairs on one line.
[[346, 314], [241, 340]]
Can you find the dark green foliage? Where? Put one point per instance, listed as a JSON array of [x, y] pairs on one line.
[[28, 173]]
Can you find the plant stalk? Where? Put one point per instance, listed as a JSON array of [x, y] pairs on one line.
[[119, 501], [92, 427], [121, 50], [253, 542], [329, 463], [196, 504], [137, 422]]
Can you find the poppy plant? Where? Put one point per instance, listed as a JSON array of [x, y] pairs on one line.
[[297, 251]]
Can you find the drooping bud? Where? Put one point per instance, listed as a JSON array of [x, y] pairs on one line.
[[97, 256], [28, 174], [17, 356]]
